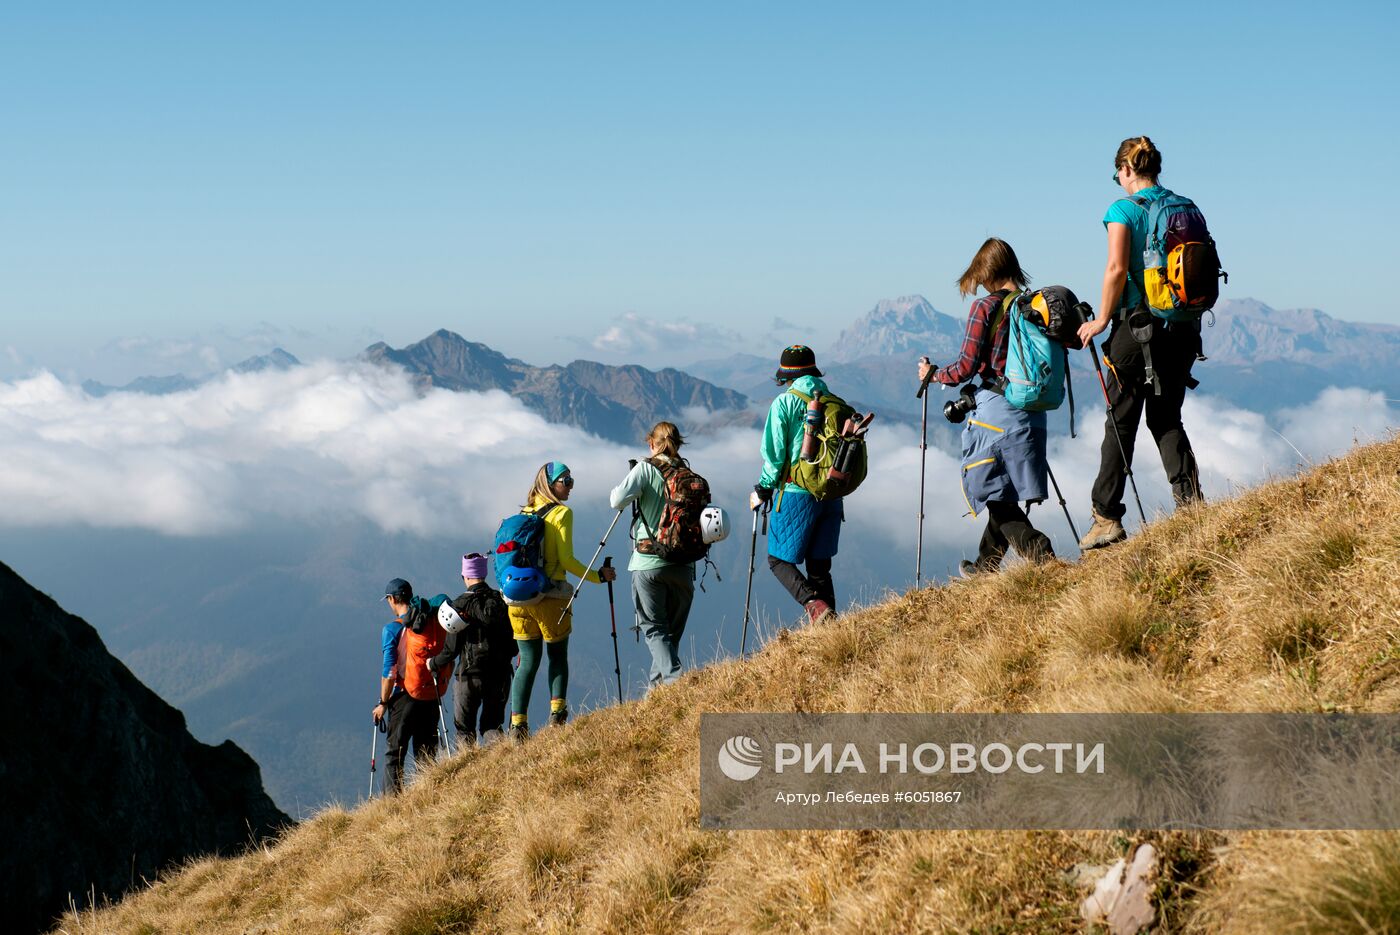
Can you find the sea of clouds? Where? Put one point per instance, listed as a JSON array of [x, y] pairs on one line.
[[332, 439], [230, 541]]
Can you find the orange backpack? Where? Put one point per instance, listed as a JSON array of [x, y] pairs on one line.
[[422, 639]]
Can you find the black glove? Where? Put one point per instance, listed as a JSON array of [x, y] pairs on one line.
[[764, 493]]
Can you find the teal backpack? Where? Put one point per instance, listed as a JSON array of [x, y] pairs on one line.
[[1037, 366]]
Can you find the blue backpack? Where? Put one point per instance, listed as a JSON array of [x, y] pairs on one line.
[[520, 556], [1037, 365], [1181, 269]]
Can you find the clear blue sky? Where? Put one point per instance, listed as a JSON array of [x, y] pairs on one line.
[[354, 170]]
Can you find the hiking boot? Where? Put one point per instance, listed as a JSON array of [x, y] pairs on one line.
[[818, 610], [519, 733], [1104, 532], [969, 570], [557, 718]]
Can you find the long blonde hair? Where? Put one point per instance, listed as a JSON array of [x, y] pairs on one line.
[[540, 493], [668, 437]]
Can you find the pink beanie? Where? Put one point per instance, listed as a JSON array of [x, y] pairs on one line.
[[474, 565]]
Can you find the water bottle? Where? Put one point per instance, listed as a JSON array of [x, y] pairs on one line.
[[811, 430]]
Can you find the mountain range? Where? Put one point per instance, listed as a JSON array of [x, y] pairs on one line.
[[617, 403], [276, 359], [104, 786], [1259, 357]]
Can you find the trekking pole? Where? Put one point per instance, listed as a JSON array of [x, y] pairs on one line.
[[442, 725], [612, 612], [380, 727], [748, 591], [923, 464], [1127, 467], [1063, 506], [579, 587]]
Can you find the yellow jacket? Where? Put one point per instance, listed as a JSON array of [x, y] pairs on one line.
[[559, 561]]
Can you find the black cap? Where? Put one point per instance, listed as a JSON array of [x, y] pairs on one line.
[[797, 361], [398, 589]]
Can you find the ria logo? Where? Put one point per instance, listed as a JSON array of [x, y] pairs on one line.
[[740, 758]]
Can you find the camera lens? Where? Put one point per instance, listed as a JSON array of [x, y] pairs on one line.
[[956, 410]]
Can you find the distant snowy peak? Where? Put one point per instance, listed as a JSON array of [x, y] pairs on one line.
[[901, 326]]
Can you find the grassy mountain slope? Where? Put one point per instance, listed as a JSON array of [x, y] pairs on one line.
[[1284, 599]]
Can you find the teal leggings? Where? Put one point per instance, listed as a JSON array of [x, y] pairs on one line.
[[557, 659]]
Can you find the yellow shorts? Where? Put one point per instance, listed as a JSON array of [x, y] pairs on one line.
[[542, 620]]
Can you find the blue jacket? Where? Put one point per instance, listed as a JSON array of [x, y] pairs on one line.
[[389, 643]]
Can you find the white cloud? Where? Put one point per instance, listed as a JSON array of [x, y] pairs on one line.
[[1337, 420], [331, 440], [632, 333], [322, 440]]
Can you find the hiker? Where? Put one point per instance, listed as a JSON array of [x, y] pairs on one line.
[[662, 591], [544, 621], [1003, 448], [1149, 359], [486, 645], [803, 530], [409, 693]]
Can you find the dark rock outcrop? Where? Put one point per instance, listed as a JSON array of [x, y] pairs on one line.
[[617, 403], [103, 785]]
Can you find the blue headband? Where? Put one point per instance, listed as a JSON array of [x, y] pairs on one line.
[[555, 470]]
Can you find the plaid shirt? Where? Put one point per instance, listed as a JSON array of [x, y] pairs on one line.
[[979, 357]]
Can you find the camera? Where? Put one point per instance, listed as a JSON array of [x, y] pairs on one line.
[[956, 410]]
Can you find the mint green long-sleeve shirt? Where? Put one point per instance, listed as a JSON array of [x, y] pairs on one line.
[[782, 433], [645, 485]]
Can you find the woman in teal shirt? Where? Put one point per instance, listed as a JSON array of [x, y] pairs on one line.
[[1174, 347]]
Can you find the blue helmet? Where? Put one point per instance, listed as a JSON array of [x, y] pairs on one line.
[[519, 585]]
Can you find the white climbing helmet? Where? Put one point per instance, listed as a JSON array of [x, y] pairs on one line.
[[449, 618], [714, 525]]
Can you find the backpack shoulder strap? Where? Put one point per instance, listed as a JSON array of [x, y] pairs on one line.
[[664, 468], [799, 394], [1002, 309]]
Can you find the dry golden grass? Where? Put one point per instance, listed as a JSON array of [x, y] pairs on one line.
[[1285, 598]]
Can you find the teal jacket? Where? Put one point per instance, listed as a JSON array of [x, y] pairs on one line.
[[782, 433]]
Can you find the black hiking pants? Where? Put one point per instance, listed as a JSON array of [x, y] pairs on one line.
[[815, 585], [480, 703], [1174, 350], [1008, 526], [410, 720]]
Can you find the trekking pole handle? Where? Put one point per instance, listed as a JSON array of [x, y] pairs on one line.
[[923, 385]]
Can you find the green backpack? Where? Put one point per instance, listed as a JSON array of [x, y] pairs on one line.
[[841, 461]]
